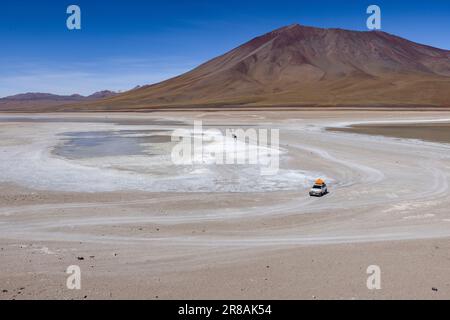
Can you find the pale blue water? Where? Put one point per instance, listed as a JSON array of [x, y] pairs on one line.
[[81, 145]]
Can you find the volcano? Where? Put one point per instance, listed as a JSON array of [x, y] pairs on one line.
[[304, 66]]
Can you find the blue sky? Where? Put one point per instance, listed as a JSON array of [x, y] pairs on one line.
[[127, 43]]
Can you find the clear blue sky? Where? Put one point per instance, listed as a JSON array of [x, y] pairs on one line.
[[127, 43]]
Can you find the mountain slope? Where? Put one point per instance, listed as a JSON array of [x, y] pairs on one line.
[[298, 65]]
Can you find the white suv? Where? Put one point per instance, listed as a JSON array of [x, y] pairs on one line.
[[318, 190]]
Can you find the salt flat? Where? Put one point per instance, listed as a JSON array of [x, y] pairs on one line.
[[147, 228]]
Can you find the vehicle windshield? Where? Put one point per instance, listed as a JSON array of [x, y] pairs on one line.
[[317, 186]]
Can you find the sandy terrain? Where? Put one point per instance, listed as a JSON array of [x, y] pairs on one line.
[[434, 132], [140, 227]]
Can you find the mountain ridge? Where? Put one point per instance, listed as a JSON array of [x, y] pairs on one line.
[[39, 99]]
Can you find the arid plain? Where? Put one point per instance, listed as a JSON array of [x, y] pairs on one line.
[[141, 227]]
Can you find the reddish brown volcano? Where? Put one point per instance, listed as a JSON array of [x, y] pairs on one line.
[[298, 65]]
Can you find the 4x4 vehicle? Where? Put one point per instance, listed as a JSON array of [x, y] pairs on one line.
[[319, 189]]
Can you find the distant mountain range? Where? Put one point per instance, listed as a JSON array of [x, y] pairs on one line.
[[302, 66], [36, 100]]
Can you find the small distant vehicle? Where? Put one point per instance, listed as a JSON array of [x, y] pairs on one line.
[[319, 189]]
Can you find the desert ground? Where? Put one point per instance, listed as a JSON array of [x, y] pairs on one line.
[[99, 191]]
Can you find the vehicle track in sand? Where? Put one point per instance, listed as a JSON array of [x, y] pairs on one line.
[[380, 183]]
